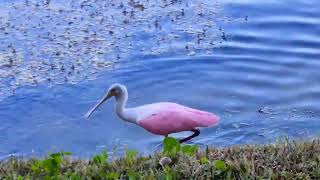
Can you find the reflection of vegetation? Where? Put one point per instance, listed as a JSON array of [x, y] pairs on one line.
[[283, 160]]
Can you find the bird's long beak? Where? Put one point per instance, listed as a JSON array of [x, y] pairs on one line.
[[107, 96]]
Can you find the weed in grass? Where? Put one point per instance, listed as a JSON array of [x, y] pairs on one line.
[[100, 159], [51, 165], [172, 146], [130, 156]]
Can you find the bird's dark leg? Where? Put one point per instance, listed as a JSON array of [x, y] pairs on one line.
[[196, 133]]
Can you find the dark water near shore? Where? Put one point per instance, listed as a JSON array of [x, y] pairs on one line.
[[256, 66]]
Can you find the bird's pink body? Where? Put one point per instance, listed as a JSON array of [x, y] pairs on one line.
[[166, 118], [161, 118]]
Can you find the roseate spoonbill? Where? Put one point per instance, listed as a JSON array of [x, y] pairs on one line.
[[161, 118]]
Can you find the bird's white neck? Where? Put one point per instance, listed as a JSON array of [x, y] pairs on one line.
[[121, 109]]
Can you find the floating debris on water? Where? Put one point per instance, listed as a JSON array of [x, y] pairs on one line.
[[265, 110], [66, 42]]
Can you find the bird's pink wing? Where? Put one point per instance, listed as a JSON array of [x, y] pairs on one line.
[[172, 118]]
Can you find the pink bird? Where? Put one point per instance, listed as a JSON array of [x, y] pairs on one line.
[[161, 118]]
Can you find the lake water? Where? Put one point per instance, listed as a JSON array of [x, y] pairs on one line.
[[255, 64]]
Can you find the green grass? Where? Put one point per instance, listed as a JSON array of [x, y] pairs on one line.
[[282, 160]]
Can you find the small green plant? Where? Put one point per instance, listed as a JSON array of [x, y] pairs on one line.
[[172, 146], [74, 176], [219, 165], [169, 176], [189, 149], [316, 171], [204, 160], [100, 159], [130, 156], [220, 169], [50, 165], [112, 176], [19, 178], [132, 175]]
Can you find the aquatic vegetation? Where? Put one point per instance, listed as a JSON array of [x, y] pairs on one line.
[[282, 160]]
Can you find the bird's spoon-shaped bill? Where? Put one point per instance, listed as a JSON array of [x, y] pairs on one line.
[[89, 113]]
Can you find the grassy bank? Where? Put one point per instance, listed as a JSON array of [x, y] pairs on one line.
[[282, 160]]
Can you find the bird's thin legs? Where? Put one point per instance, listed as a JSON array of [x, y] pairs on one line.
[[196, 133]]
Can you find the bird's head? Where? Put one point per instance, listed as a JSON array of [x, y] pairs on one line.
[[117, 90]]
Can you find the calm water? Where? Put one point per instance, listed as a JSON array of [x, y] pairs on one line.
[[257, 68]]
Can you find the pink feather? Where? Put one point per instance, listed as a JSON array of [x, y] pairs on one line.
[[171, 118]]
